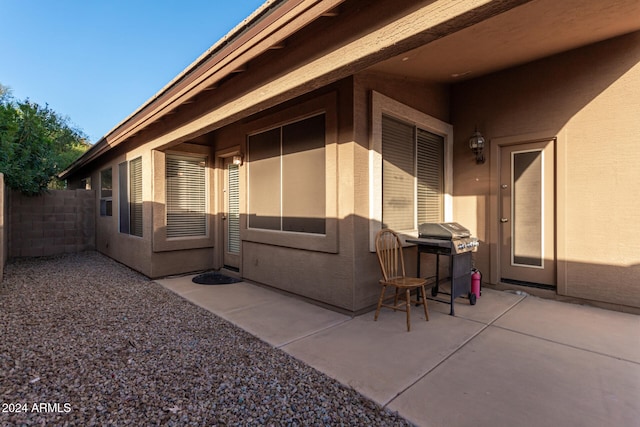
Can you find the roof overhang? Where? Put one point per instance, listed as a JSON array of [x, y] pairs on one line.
[[265, 29], [440, 40], [532, 31]]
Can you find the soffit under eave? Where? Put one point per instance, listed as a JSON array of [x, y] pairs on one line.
[[535, 30]]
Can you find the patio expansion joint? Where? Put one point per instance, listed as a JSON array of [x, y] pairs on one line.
[[575, 347], [460, 347], [310, 334]]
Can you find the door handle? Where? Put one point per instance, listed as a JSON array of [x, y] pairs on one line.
[[503, 220]]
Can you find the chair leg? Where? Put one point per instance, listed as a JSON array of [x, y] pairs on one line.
[[395, 300], [384, 287], [408, 302], [424, 303]]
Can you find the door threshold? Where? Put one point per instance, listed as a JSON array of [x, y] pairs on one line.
[[528, 284]]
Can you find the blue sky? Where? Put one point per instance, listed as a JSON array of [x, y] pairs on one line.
[[98, 61]]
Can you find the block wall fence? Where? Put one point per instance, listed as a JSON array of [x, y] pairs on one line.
[[54, 223], [4, 241]]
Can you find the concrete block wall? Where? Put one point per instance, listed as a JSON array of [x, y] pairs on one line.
[[4, 235], [57, 222]]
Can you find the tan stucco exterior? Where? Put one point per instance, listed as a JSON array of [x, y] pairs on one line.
[[587, 99], [584, 98]]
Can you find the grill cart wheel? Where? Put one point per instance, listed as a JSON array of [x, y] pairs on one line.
[[434, 291], [472, 298]]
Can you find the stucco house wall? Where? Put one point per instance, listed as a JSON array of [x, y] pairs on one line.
[[427, 97], [275, 70], [589, 99]]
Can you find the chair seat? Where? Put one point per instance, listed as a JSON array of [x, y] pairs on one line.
[[404, 282]]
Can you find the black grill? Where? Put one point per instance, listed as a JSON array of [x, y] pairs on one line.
[[453, 240]]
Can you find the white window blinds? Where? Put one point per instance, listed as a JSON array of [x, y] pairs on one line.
[[233, 214], [186, 201], [412, 175], [430, 177], [135, 196], [398, 183], [130, 196]]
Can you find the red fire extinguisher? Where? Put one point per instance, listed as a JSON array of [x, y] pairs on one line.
[[476, 282]]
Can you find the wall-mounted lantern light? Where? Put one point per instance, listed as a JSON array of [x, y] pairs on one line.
[[237, 160], [476, 143]]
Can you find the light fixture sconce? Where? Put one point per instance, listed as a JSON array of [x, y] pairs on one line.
[[237, 160], [476, 143]]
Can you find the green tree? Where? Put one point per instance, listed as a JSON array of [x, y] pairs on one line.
[[36, 144]]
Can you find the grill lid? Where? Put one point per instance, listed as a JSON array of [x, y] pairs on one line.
[[443, 230]]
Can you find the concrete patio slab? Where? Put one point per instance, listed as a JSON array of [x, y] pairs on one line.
[[180, 285], [285, 320], [275, 318], [491, 305], [608, 332], [508, 360], [505, 378], [221, 299], [381, 359]]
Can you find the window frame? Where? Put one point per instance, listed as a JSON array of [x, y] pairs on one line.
[[328, 242], [106, 201], [283, 226], [383, 105]]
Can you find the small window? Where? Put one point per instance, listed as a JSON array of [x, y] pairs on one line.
[[130, 193], [85, 183], [186, 196], [106, 202]]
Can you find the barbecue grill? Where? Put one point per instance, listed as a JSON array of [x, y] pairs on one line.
[[452, 240]]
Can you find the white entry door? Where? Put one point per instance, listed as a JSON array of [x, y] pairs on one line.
[[527, 213]]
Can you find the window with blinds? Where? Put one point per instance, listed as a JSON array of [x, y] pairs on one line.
[[135, 197], [130, 196], [430, 165], [233, 209], [186, 200], [412, 175]]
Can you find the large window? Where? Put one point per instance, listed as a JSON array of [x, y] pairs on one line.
[[130, 196], [410, 168], [106, 192], [412, 175], [287, 185], [186, 200]]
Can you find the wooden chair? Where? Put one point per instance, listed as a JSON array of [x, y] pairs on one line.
[[389, 250]]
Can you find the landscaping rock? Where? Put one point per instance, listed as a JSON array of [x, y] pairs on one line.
[[86, 341]]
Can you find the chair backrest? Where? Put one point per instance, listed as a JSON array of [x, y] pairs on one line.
[[389, 251]]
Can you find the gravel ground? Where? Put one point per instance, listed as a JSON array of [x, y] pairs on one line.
[[87, 341]]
